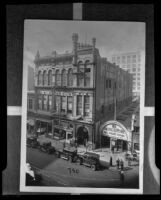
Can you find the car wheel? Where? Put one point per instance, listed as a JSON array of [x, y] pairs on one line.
[[70, 159], [58, 154], [93, 167], [79, 161]]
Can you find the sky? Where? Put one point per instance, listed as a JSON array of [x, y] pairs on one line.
[[52, 35]]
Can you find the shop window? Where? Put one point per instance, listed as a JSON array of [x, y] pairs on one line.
[[45, 78], [64, 78], [63, 104], [136, 146], [30, 104], [70, 105], [70, 77], [86, 106], [50, 78], [79, 105], [58, 78]]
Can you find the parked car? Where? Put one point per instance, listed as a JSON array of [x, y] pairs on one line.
[[132, 157], [32, 142], [67, 154], [89, 159], [47, 147]]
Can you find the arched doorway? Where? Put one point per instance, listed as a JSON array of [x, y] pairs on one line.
[[82, 135]]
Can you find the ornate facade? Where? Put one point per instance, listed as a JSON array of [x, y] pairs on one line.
[[74, 91]]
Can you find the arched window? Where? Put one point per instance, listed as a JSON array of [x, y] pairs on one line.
[[39, 78], [50, 77], [45, 78], [87, 74], [70, 77], [57, 78], [64, 78], [80, 76]]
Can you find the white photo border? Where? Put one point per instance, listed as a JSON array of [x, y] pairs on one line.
[[79, 190]]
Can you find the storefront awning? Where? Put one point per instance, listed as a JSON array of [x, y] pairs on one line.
[[30, 122]]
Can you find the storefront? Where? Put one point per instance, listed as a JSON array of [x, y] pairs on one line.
[[114, 136]]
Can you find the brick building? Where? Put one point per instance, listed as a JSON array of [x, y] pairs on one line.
[[75, 91], [131, 62]]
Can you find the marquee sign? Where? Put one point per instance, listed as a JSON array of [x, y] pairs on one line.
[[114, 130]]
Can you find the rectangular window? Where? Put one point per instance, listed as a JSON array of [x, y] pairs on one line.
[[30, 104], [49, 102], [113, 59], [79, 105], [128, 59], [70, 105], [57, 99], [139, 58], [123, 59], [134, 58], [86, 106], [118, 60], [45, 102], [39, 102], [109, 83], [134, 70], [63, 104], [138, 69], [106, 83]]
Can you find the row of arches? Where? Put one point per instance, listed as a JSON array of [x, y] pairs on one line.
[[65, 77]]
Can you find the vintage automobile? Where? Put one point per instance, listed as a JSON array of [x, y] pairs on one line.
[[132, 157], [67, 154], [32, 142], [47, 147], [89, 159]]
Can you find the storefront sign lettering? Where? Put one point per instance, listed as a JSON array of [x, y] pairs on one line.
[[114, 131]]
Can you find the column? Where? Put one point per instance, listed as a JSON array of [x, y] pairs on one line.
[[91, 105], [82, 104], [52, 127], [66, 103], [74, 105]]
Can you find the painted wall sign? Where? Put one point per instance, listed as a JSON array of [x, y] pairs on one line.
[[115, 130]]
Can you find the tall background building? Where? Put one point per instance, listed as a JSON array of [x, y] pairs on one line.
[[131, 62]]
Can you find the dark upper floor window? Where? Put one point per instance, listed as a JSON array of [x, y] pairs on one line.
[[45, 78], [64, 78], [50, 77], [30, 103], [70, 77], [40, 78]]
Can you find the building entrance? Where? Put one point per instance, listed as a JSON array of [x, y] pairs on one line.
[[82, 135]]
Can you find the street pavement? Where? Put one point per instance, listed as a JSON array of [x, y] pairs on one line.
[[59, 172]]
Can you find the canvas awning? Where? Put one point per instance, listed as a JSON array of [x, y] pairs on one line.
[[31, 122]]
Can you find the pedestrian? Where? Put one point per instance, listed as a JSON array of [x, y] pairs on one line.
[[110, 160], [118, 163], [122, 164], [122, 177]]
